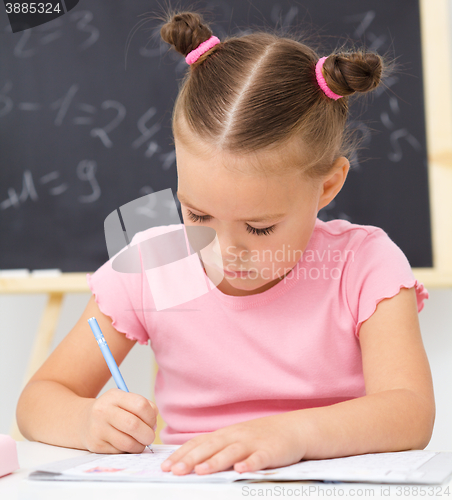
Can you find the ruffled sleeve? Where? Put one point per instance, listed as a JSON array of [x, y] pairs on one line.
[[378, 270], [120, 296]]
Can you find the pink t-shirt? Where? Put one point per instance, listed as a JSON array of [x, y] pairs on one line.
[[224, 359]]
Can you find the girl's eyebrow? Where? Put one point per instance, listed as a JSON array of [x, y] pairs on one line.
[[261, 218]]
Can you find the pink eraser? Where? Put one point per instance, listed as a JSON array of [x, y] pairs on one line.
[[8, 455]]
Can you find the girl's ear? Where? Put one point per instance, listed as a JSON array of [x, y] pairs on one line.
[[333, 183]]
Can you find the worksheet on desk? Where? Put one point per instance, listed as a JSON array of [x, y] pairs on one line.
[[139, 467], [403, 466]]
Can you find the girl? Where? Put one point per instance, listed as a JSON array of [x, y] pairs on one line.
[[310, 346]]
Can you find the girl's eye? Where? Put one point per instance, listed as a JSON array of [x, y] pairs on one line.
[[197, 218], [266, 231], [250, 229]]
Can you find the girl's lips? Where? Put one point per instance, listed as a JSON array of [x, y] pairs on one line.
[[235, 273]]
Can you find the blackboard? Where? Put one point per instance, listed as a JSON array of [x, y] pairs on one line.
[[82, 132]]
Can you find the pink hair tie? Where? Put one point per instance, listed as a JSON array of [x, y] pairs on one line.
[[194, 55], [321, 80]]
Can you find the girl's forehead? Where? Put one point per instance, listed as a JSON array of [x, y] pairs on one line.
[[202, 166], [218, 173], [230, 194], [290, 158], [194, 158]]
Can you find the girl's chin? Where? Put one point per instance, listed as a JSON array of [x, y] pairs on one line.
[[242, 275]]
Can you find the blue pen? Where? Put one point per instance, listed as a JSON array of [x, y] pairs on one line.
[[109, 358]]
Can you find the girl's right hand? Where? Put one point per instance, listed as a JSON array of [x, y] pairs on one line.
[[118, 422]]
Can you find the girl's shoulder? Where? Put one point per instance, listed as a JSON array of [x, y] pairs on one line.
[[370, 258], [360, 246], [337, 227], [341, 232], [374, 267]]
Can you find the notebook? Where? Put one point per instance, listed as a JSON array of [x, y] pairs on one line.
[[407, 467]]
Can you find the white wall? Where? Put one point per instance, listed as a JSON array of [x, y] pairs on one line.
[[19, 320]]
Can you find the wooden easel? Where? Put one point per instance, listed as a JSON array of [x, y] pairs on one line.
[[56, 288]]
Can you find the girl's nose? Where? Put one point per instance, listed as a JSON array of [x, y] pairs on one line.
[[232, 249]]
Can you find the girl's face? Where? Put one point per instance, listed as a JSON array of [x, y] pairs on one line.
[[263, 223]]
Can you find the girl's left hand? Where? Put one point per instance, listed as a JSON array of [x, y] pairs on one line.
[[262, 443]]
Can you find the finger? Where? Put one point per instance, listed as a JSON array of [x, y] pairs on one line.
[[181, 452], [223, 460], [200, 454], [153, 406], [102, 446], [258, 460], [132, 426], [138, 405], [120, 442], [156, 408]]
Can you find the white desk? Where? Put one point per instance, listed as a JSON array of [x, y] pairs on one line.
[[16, 486]]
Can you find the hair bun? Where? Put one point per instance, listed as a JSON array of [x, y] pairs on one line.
[[347, 73], [185, 31]]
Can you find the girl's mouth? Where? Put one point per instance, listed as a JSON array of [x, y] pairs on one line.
[[237, 274]]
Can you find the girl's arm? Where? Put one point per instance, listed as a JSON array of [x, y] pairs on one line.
[[53, 407], [397, 413]]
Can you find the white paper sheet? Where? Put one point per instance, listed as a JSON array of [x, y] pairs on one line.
[[376, 467]]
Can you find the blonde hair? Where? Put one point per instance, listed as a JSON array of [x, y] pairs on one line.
[[258, 92]]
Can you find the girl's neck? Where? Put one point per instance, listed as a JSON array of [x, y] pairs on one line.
[[226, 288]]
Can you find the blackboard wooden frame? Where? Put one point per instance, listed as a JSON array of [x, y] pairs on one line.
[[437, 58]]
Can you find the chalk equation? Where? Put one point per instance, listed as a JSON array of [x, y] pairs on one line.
[[110, 112], [31, 41], [53, 185]]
